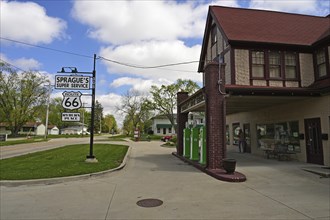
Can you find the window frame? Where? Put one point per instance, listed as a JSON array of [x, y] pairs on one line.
[[326, 62], [267, 65], [251, 65]]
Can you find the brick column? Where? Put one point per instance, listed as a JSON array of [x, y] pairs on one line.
[[215, 116], [181, 119]]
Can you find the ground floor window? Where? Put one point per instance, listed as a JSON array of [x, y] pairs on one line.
[[170, 130], [158, 130], [236, 129], [283, 133]]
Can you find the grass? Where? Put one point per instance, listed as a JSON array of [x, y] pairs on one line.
[[118, 137], [25, 141], [60, 162]]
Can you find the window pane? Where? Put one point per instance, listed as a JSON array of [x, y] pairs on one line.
[[274, 72], [258, 62], [290, 66], [322, 70], [274, 58], [258, 71], [290, 72], [321, 63], [320, 57]]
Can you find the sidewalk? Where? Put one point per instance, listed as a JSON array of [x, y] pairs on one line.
[[273, 190]]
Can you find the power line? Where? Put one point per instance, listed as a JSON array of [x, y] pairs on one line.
[[12, 65], [46, 48], [107, 59], [147, 67]]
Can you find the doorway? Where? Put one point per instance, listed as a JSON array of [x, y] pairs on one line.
[[247, 137], [164, 130], [314, 148]]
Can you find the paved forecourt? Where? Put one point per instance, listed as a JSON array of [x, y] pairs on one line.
[[273, 190]]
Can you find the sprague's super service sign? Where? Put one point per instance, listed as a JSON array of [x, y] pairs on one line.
[[72, 82]]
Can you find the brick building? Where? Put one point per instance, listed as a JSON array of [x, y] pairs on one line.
[[268, 74]]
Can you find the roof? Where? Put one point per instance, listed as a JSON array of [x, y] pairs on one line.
[[269, 26]]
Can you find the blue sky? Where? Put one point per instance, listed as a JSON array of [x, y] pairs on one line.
[[143, 33]]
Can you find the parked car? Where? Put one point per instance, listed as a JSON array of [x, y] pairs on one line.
[[166, 138]]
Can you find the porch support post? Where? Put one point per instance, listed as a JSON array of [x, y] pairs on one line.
[[182, 118], [215, 116]]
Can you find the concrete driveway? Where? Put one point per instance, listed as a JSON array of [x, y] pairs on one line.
[[273, 190]]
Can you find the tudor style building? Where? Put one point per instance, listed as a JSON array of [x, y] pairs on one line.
[[267, 73]]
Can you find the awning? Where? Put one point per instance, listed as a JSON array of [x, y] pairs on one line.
[[163, 125]]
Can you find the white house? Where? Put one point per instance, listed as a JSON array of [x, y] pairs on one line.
[[162, 126], [79, 128], [52, 129]]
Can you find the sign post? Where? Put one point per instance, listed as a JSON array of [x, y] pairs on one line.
[[72, 99]]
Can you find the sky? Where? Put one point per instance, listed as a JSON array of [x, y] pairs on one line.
[[46, 35]]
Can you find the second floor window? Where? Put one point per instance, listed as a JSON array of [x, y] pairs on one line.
[[321, 67], [258, 64], [274, 64], [290, 66]]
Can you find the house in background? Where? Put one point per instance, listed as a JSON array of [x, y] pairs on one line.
[[53, 130], [267, 73], [33, 129], [162, 126], [78, 128]]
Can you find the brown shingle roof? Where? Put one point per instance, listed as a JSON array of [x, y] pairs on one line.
[[270, 27]]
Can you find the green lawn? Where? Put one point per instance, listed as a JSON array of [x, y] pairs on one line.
[[60, 162], [25, 141]]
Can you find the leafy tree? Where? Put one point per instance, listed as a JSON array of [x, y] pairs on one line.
[[134, 107], [164, 98], [110, 123], [21, 96]]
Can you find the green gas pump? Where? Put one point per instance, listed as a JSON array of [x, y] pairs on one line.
[[194, 144], [202, 145], [186, 142]]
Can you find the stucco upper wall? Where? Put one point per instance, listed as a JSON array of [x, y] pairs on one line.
[[242, 75], [306, 69]]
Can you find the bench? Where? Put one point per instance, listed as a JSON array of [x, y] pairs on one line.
[[279, 151]]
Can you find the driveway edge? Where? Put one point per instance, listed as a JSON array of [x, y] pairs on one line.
[[50, 181]]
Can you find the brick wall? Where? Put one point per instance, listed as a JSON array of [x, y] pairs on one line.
[[182, 118], [215, 117]]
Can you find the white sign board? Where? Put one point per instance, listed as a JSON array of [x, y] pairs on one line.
[[70, 116], [72, 82], [71, 100]]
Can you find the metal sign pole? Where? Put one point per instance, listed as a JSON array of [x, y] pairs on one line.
[[91, 156]]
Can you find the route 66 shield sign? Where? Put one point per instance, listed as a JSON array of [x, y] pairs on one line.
[[71, 100]]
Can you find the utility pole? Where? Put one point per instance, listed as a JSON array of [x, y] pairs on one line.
[[47, 111]]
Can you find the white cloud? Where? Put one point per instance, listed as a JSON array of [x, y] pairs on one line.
[[109, 103], [138, 84], [313, 7], [22, 63], [155, 53], [119, 22], [28, 22]]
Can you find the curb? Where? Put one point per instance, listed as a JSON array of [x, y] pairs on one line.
[[50, 181]]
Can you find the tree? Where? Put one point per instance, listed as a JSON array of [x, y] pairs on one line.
[[164, 98], [134, 107], [22, 96], [110, 123]]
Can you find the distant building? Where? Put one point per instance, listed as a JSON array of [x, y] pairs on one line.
[[162, 126], [53, 130], [79, 128]]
